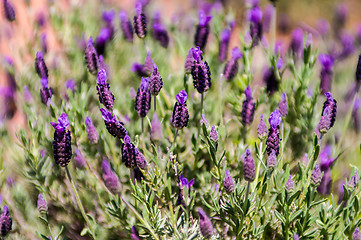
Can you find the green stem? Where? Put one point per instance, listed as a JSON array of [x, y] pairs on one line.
[[80, 204], [155, 103], [202, 96]]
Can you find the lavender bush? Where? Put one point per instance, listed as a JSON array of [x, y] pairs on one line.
[[241, 155]]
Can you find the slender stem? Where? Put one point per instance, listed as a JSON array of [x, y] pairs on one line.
[[155, 103], [202, 96], [175, 137], [319, 140], [142, 124], [247, 192], [80, 204]]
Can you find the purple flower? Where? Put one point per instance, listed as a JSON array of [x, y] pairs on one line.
[[135, 234], [283, 105], [269, 14], [353, 181], [9, 11], [248, 107], [140, 160], [139, 69], [180, 116], [5, 222], [79, 160], [155, 82], [126, 26], [143, 98], [296, 237], [185, 183], [91, 57], [156, 133], [106, 97], [91, 130], [249, 167], [256, 28], [323, 26], [228, 183], [62, 141], [262, 128], [128, 153], [148, 64], [200, 72], [140, 22], [159, 32], [328, 116], [356, 234], [290, 184], [213, 135], [108, 16], [202, 31], [42, 205], [272, 159], [113, 125], [40, 65], [316, 176], [111, 180], [327, 63], [105, 35], [272, 84], [255, 15], [189, 62], [204, 121], [273, 139], [296, 46], [205, 224], [231, 68], [223, 45], [70, 84], [347, 43], [340, 17]]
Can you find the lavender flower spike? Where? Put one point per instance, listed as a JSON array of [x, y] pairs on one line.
[[272, 160], [42, 205], [228, 183], [356, 234], [262, 128], [316, 176], [113, 125], [79, 160], [256, 28], [155, 82], [140, 160], [9, 11], [40, 65], [148, 64], [135, 234], [45, 92], [231, 68], [91, 57], [180, 116], [128, 153], [106, 97], [327, 63], [126, 26], [143, 98], [249, 167], [156, 133], [189, 62], [159, 32], [91, 130], [248, 107], [140, 22], [200, 72], [213, 135], [111, 180], [290, 184], [5, 222], [283, 105], [296, 46], [202, 32], [273, 139], [62, 141], [205, 224], [223, 45], [328, 116]]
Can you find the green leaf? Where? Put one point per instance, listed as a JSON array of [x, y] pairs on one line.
[[280, 217]]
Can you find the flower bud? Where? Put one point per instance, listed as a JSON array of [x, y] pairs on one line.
[[248, 107], [205, 224], [114, 126], [180, 117], [249, 167], [316, 176], [262, 128], [290, 184], [228, 183], [62, 141], [91, 130], [42, 205]]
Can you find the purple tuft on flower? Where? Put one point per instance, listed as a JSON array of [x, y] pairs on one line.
[[42, 205], [290, 184], [106, 97], [231, 68], [327, 63], [202, 31], [126, 26], [5, 222], [113, 125], [205, 224], [256, 28], [111, 180], [91, 57], [283, 105], [273, 139], [143, 98], [140, 22], [91, 130], [40, 65], [316, 176], [62, 141], [184, 181], [262, 129], [8, 11], [248, 107], [249, 167], [228, 183]]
